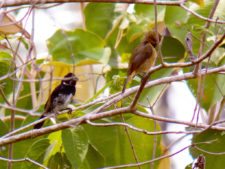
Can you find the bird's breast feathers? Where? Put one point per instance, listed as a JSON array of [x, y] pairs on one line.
[[62, 101]]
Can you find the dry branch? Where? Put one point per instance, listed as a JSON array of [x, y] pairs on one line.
[[9, 3], [98, 113]]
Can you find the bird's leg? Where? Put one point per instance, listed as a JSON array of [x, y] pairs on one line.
[[69, 110], [53, 116], [141, 75], [56, 114]]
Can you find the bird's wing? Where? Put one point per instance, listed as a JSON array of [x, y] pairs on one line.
[[139, 56], [54, 94]]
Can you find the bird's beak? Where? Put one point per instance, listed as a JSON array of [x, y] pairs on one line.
[[76, 78]]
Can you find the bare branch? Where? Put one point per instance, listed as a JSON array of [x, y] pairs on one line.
[[30, 112], [28, 2], [158, 158], [200, 16], [131, 142], [140, 129], [22, 160], [96, 114], [168, 3], [208, 152]]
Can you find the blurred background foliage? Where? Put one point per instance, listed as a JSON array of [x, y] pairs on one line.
[[107, 41]]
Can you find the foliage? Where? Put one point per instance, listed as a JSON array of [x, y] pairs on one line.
[[108, 41], [210, 141]]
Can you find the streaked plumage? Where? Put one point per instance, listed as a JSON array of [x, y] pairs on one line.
[[143, 57]]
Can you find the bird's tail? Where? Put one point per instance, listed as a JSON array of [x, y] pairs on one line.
[[129, 77], [40, 124], [124, 85]]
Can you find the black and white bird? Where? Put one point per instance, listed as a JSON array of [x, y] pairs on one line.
[[60, 97]]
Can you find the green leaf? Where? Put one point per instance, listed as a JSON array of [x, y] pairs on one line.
[[99, 17], [199, 2], [212, 87], [220, 9], [172, 17], [3, 150], [97, 55], [26, 148], [152, 94], [59, 161], [93, 159], [27, 120], [4, 56], [189, 166], [4, 128], [7, 84], [25, 100], [75, 142], [204, 11], [172, 49], [82, 44], [56, 143], [114, 80], [147, 12], [217, 139], [176, 23], [130, 40], [134, 32], [119, 150], [36, 152]]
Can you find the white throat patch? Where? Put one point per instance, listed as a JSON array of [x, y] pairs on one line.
[[66, 84]]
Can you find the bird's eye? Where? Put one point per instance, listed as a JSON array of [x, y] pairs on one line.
[[72, 82]]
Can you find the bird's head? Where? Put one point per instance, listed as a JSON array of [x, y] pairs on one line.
[[151, 37], [70, 79]]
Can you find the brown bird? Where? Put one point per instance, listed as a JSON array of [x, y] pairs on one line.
[[143, 57], [60, 97]]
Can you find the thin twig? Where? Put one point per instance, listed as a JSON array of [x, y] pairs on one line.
[[82, 6], [208, 152], [3, 96], [116, 97], [96, 114], [140, 130], [155, 140], [27, 2], [200, 87], [156, 159], [25, 127], [166, 65], [131, 143], [167, 3], [30, 112], [22, 160], [200, 16]]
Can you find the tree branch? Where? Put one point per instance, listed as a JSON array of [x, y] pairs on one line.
[[29, 2], [22, 160], [98, 113], [140, 129], [180, 3], [157, 158]]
